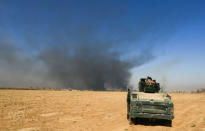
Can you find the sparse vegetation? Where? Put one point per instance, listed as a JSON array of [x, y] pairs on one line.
[[193, 125], [202, 90]]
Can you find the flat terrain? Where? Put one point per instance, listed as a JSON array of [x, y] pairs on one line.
[[27, 110]]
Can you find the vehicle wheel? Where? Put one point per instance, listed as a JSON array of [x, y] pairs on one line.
[[127, 116], [169, 123], [130, 121]]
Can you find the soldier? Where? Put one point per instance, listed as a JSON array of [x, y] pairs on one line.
[[149, 80]]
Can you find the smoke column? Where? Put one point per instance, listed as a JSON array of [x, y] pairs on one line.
[[90, 47]]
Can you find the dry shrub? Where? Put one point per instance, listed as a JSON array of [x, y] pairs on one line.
[[200, 90]]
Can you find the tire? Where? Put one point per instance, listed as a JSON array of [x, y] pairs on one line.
[[169, 123], [130, 120]]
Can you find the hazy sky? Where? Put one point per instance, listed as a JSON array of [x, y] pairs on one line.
[[165, 36], [181, 60]]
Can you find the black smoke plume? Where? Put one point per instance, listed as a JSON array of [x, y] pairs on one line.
[[81, 45], [88, 67]]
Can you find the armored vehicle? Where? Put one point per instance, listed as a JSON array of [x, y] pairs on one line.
[[148, 103]]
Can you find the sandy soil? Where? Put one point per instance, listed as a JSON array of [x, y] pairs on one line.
[[31, 110]]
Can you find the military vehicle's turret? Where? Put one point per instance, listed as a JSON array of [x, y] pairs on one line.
[[148, 85]]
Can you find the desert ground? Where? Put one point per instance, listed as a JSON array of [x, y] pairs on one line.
[[47, 110]]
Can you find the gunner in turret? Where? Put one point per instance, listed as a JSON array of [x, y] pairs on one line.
[[149, 80]]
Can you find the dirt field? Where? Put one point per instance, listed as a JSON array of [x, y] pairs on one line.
[[27, 110]]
